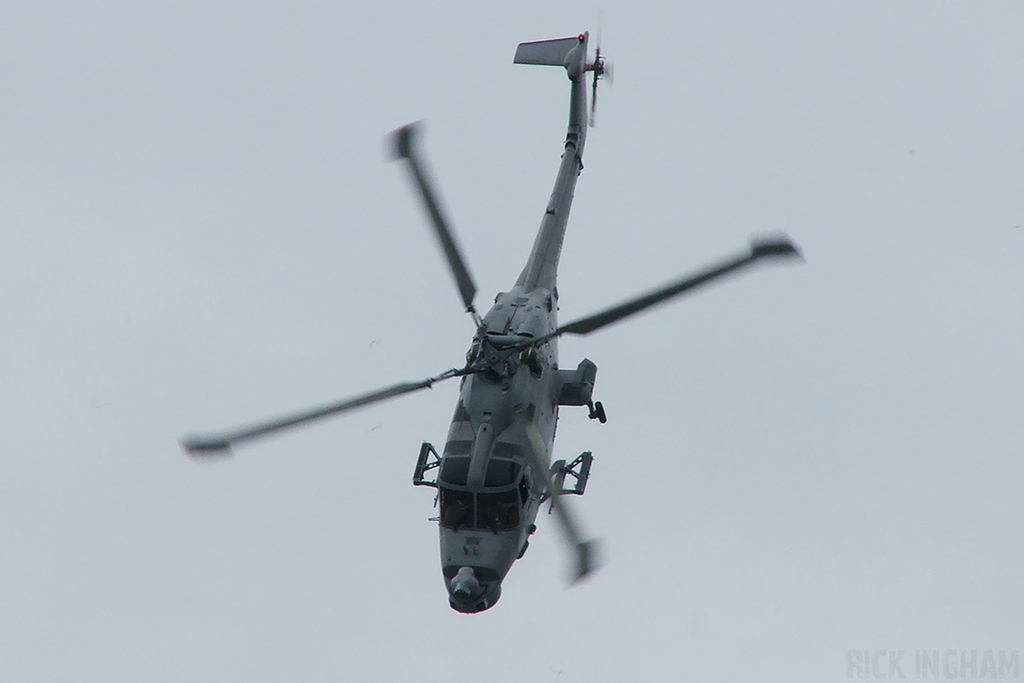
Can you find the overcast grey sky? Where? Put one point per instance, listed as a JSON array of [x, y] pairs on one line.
[[198, 228]]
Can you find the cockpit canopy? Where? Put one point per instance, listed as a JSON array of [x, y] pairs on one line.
[[495, 509], [491, 511], [505, 492], [499, 472]]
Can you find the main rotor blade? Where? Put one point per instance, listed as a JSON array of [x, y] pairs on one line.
[[220, 444], [586, 551], [403, 147], [763, 248]]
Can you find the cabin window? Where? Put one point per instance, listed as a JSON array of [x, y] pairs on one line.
[[498, 511], [501, 472], [455, 470], [456, 509], [524, 491]]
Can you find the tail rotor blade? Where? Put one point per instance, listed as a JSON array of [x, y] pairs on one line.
[[403, 146], [602, 69], [204, 445]]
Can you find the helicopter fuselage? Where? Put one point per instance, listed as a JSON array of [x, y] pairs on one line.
[[489, 496], [489, 493]]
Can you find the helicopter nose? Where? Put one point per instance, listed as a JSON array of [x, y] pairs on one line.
[[465, 584]]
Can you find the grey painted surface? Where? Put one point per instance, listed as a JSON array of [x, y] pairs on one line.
[[199, 227]]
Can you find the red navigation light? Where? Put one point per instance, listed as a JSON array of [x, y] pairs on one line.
[[580, 37]]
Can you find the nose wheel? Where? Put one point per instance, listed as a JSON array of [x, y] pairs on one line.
[[597, 412]]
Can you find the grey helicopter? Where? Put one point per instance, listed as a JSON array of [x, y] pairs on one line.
[[495, 470]]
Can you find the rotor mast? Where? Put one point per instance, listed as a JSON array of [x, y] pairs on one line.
[[541, 268]]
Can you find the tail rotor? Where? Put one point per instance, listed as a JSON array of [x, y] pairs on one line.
[[602, 71]]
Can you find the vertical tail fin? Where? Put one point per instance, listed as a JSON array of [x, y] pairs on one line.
[[546, 52]]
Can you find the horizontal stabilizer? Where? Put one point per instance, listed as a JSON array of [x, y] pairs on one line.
[[545, 52]]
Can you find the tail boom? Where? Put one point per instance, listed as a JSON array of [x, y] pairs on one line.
[[570, 53]]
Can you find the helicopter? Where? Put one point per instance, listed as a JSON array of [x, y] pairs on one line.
[[495, 472]]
